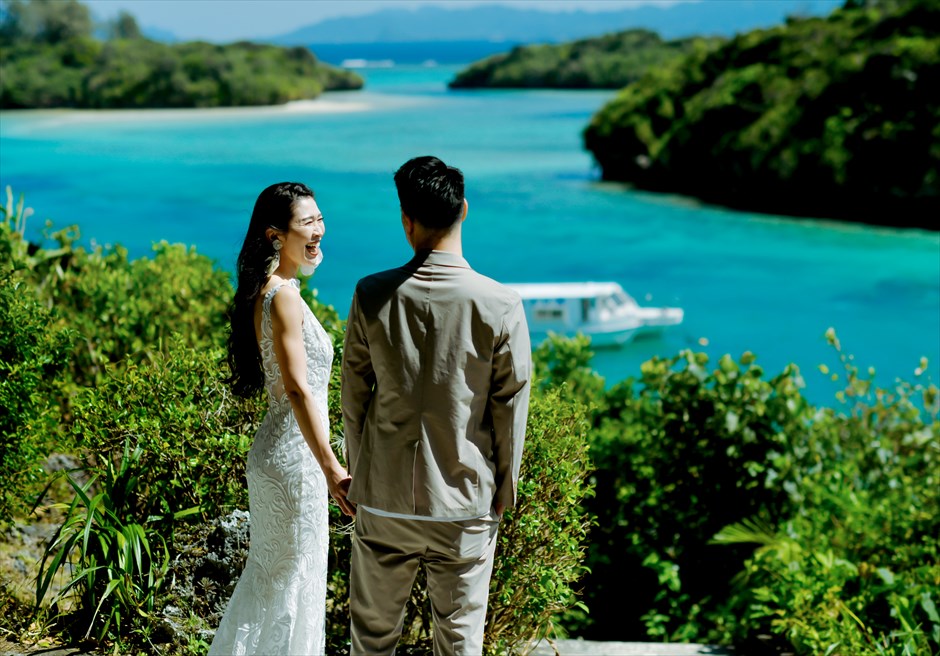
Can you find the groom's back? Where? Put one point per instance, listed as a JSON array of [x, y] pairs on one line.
[[433, 329]]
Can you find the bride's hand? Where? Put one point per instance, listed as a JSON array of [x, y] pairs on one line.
[[339, 488]]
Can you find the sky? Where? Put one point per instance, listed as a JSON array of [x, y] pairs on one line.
[[232, 20]]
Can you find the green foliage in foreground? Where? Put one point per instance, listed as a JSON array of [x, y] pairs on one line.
[[115, 568], [75, 70], [727, 507], [162, 444], [695, 466], [127, 311], [32, 353], [836, 117], [606, 62]]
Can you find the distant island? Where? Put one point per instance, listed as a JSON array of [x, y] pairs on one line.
[[611, 61], [825, 117], [51, 58]]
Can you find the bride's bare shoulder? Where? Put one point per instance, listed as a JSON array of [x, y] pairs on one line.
[[282, 285]]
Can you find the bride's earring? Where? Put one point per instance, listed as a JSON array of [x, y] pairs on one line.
[[275, 260]]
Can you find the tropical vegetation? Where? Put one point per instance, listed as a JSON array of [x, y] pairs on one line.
[[50, 57], [119, 365], [606, 62], [730, 510], [698, 502], [826, 117]]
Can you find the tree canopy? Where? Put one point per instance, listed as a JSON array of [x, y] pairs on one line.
[[50, 58], [606, 62], [828, 117]]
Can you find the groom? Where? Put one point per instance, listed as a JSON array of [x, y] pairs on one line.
[[435, 393]]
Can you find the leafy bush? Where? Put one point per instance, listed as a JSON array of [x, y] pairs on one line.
[[162, 441], [193, 434], [125, 311], [33, 352], [855, 569], [31, 355], [679, 454], [539, 558], [844, 507]]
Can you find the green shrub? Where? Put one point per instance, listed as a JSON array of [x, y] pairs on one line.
[[856, 568], [680, 454], [33, 353], [843, 504], [162, 441], [119, 311], [539, 558], [126, 311], [193, 433]]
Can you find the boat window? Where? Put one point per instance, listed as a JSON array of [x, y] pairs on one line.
[[548, 314], [585, 309]]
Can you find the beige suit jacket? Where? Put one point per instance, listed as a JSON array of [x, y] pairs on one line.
[[435, 390]]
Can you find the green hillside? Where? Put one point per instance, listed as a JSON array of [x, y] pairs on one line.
[[829, 117], [50, 58], [607, 62]]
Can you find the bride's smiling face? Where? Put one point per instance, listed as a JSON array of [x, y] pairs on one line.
[[300, 243]]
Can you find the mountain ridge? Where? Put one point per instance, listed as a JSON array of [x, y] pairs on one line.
[[518, 25]]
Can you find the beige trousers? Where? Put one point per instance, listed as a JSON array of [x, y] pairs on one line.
[[386, 554]]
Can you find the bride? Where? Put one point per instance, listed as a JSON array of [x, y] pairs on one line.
[[276, 343]]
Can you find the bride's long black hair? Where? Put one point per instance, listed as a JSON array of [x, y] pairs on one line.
[[273, 209]]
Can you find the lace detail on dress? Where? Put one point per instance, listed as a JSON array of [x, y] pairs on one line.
[[278, 606]]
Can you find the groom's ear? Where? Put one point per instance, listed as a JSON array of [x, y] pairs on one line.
[[466, 208], [409, 226]]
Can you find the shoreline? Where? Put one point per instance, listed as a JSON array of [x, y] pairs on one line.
[[67, 115]]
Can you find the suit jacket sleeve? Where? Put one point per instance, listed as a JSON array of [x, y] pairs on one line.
[[509, 401], [358, 382]]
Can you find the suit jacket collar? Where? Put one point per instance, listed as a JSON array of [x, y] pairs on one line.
[[437, 258]]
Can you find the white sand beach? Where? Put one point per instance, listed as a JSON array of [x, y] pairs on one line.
[[337, 103]]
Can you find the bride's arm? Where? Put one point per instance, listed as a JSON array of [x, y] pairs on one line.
[[287, 324]]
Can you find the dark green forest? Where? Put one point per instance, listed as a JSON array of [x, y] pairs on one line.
[[827, 117], [51, 56], [606, 62]]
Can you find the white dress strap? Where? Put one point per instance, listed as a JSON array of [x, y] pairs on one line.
[[266, 303]]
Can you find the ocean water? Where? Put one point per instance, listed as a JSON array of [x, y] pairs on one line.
[[747, 282]]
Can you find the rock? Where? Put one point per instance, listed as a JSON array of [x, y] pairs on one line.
[[210, 558]]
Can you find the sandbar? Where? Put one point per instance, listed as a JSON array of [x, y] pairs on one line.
[[56, 117]]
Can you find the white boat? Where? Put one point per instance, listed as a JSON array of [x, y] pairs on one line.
[[600, 310]]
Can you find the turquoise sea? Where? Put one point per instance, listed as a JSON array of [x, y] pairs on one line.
[[747, 282]]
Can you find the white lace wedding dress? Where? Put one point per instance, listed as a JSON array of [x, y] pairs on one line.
[[278, 606]]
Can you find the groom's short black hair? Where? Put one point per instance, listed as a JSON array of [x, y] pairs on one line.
[[430, 192]]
